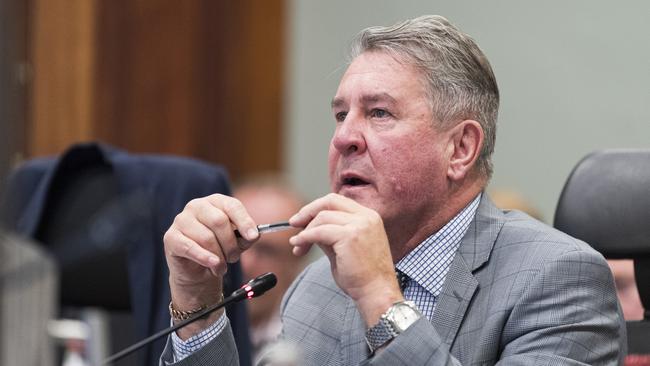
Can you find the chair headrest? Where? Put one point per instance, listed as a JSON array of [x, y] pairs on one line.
[[606, 202]]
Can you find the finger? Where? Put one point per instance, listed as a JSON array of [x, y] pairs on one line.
[[323, 218], [219, 224], [326, 234], [237, 214], [179, 245], [331, 217], [188, 224], [331, 202], [301, 250]]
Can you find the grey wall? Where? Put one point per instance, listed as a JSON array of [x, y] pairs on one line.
[[574, 77]]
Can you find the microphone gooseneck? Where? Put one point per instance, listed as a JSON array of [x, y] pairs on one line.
[[253, 288]]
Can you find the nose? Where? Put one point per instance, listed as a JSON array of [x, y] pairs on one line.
[[349, 136]]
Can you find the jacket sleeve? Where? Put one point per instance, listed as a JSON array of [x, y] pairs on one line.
[[219, 351]]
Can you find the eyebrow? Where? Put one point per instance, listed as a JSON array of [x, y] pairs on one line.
[[367, 98]]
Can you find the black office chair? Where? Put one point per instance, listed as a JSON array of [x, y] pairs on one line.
[[606, 202]]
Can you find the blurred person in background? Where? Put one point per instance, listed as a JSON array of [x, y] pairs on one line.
[[268, 200], [509, 199], [628, 294]]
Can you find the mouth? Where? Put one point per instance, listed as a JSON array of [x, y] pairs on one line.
[[353, 181]]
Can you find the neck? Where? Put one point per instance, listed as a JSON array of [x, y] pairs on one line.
[[406, 234]]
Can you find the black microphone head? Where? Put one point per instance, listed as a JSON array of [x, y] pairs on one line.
[[260, 284]]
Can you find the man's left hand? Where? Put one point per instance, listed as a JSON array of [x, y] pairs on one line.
[[354, 239]]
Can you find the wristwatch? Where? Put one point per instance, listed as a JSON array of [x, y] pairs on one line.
[[394, 321]]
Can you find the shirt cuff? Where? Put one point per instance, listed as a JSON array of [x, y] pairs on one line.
[[183, 349]]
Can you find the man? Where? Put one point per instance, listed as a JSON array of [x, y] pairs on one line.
[[415, 120], [268, 200]]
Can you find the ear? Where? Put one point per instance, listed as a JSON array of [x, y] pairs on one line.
[[465, 144]]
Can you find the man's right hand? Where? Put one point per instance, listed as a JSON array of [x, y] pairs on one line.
[[198, 246]]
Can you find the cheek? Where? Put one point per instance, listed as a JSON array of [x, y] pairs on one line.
[[398, 160], [411, 171]]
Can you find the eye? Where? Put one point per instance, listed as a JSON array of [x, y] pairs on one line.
[[340, 116], [379, 113]]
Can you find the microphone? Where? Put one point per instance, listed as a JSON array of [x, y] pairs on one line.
[[253, 288]]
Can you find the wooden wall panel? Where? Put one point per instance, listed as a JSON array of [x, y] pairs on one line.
[[146, 76], [255, 90], [197, 78], [62, 49]]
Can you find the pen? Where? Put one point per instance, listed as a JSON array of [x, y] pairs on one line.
[[269, 228]]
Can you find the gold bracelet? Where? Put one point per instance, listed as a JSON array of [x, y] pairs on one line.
[[179, 315]]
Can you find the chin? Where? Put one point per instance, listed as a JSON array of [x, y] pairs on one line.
[[364, 198], [357, 194]]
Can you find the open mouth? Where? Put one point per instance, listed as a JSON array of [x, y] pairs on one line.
[[354, 182]]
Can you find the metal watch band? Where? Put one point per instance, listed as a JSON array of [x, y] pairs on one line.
[[385, 330], [379, 334]]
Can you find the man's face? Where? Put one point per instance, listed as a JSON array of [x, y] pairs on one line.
[[386, 153]]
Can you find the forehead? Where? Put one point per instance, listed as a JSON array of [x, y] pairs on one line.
[[378, 76]]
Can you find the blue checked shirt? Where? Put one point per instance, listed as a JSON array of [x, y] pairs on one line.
[[183, 349], [426, 266]]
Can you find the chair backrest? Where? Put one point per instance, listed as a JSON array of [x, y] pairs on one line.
[[28, 284], [606, 202]]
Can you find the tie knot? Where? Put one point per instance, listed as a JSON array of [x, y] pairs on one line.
[[402, 279]]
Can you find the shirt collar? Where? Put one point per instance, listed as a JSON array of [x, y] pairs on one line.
[[429, 262]]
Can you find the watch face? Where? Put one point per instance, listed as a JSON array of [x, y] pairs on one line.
[[403, 316]]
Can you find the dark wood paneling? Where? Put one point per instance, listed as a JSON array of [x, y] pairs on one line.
[[247, 49], [203, 79], [62, 54], [197, 78]]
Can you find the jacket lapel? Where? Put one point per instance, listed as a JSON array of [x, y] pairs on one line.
[[460, 284], [31, 215]]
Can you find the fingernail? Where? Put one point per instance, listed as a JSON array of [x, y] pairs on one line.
[[252, 233]]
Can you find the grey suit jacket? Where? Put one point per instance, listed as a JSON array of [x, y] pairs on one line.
[[517, 293]]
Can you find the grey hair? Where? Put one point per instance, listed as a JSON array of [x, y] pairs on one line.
[[458, 75]]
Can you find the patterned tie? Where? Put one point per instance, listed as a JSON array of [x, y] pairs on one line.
[[402, 279]]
